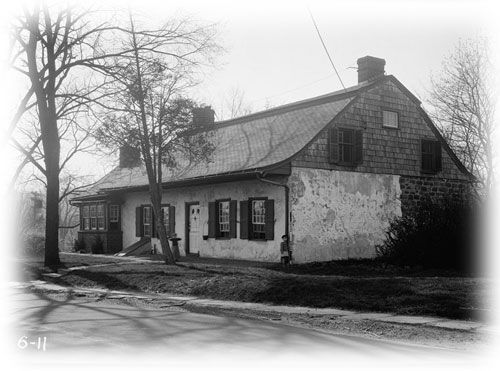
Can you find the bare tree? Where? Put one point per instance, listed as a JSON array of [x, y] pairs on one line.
[[234, 105], [463, 106], [55, 49], [150, 111]]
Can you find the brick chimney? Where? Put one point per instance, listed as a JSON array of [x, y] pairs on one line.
[[129, 157], [203, 116], [370, 67]]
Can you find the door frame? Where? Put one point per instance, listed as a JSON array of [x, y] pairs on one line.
[[186, 224]]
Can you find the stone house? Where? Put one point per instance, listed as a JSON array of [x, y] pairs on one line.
[[331, 172]]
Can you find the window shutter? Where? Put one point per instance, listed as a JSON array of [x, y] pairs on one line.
[[139, 232], [358, 146], [244, 220], [211, 219], [171, 220], [269, 219], [233, 205], [333, 145], [154, 229], [437, 156]]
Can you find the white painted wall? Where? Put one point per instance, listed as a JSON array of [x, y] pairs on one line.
[[235, 248], [340, 214]]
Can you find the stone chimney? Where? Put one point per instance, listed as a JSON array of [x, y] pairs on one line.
[[129, 157], [369, 68], [203, 116]]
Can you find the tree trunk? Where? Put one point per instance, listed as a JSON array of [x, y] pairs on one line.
[[160, 226], [52, 220]]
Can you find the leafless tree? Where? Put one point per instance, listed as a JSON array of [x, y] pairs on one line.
[[462, 102], [59, 52], [234, 105], [149, 108]]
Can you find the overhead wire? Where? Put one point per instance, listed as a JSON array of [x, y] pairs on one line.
[[324, 47]]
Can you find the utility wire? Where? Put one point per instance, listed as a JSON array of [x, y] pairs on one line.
[[324, 47]]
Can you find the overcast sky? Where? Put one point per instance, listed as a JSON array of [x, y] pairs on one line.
[[274, 56]]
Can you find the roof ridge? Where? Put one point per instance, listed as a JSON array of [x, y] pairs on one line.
[[308, 102]]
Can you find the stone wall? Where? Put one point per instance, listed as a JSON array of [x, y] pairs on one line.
[[414, 190]]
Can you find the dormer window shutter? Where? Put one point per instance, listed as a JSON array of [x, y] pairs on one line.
[[358, 147], [437, 151], [333, 145]]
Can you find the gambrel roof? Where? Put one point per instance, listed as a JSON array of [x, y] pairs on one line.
[[260, 141]]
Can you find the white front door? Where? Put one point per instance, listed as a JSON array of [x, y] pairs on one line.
[[195, 231]]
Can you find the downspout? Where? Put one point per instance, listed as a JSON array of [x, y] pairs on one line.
[[287, 197]]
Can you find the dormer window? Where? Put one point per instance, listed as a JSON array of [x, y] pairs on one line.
[[390, 119]]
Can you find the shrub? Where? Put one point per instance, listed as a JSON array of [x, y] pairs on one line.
[[436, 235], [79, 246], [98, 245]]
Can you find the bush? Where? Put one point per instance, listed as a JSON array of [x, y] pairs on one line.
[[436, 235], [79, 246], [97, 246]]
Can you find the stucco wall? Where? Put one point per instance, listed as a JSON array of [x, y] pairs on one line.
[[235, 248], [340, 214]]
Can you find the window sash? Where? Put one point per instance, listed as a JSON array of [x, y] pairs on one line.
[[146, 220], [223, 208], [114, 213], [166, 219], [346, 145], [390, 119]]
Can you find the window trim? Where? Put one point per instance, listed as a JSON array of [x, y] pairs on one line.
[[250, 219], [397, 119]]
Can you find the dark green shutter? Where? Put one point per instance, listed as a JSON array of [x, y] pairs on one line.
[[139, 231], [244, 220], [333, 145], [437, 156], [269, 219], [171, 220], [358, 146], [233, 205], [211, 219]]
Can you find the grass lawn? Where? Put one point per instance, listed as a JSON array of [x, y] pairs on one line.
[[368, 290]]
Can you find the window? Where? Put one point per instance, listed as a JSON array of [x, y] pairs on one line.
[[166, 219], [223, 218], [390, 119], [85, 217], [114, 213], [345, 146], [93, 216], [431, 156], [258, 219], [147, 219], [100, 216]]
